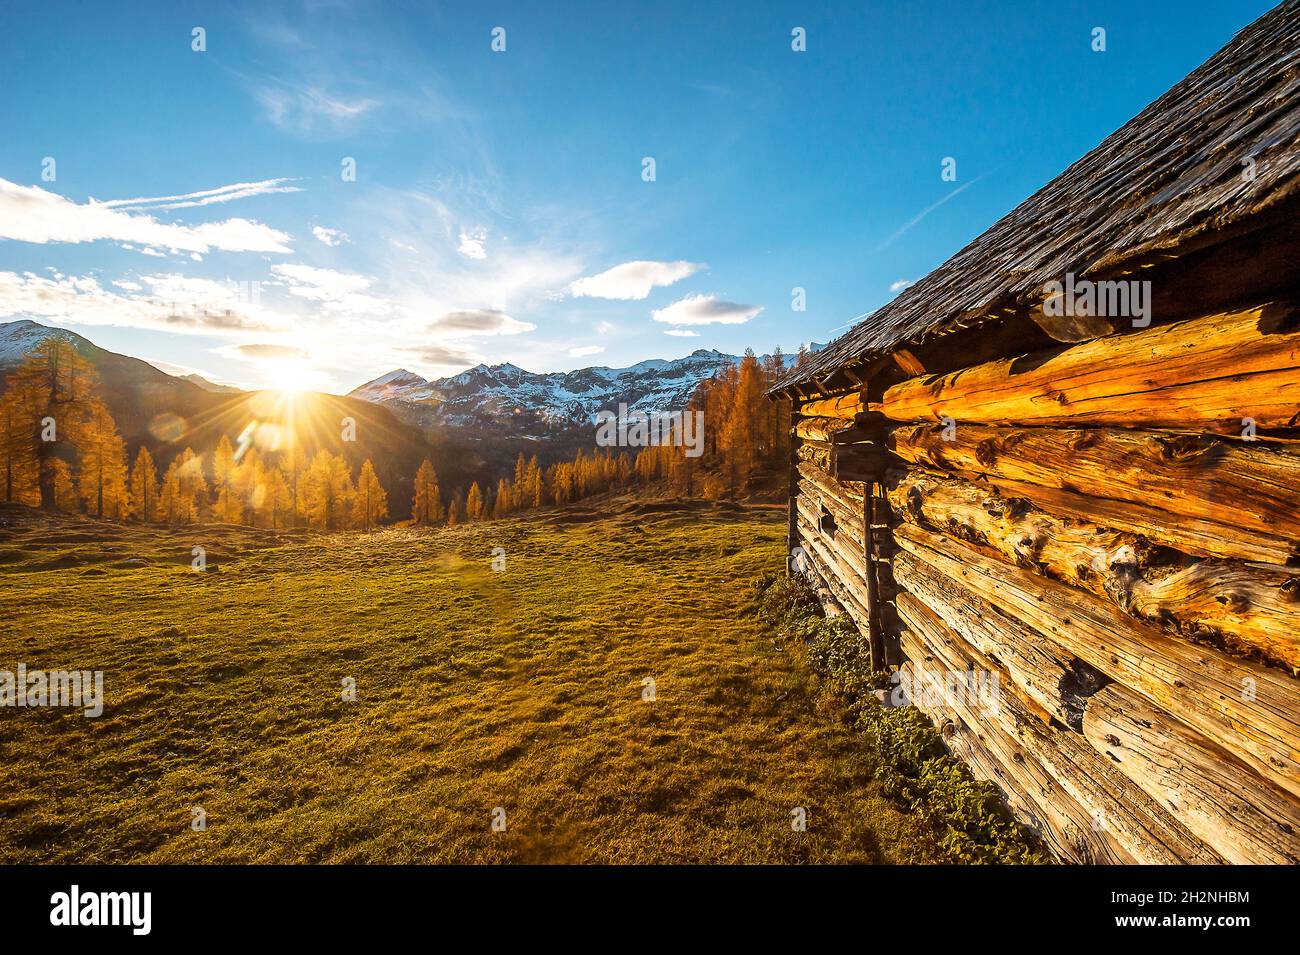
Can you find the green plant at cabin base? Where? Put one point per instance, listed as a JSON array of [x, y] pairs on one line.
[[906, 752]]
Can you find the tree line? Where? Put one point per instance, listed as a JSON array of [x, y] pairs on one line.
[[60, 450]]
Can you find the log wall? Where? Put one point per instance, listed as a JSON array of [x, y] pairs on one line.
[[1107, 535]]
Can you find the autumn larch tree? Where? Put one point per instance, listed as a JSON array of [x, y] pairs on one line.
[[474, 503], [427, 506], [103, 464], [371, 500], [18, 464], [279, 498], [55, 386], [192, 488], [501, 507], [144, 487], [327, 490]]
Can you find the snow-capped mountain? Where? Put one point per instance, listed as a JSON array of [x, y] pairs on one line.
[[507, 395]]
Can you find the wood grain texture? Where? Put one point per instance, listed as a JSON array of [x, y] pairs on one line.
[[1206, 374], [1247, 609], [845, 407], [1250, 710], [1199, 494], [1115, 807], [1220, 800]]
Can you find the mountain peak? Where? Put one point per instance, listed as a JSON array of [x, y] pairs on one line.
[[511, 398]]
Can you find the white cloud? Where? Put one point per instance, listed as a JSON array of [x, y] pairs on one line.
[[259, 351], [475, 322], [705, 310], [681, 332], [30, 214], [633, 280], [330, 237], [239, 190], [442, 357], [472, 244], [174, 303], [311, 109], [898, 286], [586, 350], [335, 291]]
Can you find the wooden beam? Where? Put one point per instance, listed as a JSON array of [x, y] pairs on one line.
[[1199, 494], [1036, 800], [1250, 609], [1206, 374], [1042, 672], [908, 362], [1114, 805], [1220, 800], [1250, 710], [845, 406]]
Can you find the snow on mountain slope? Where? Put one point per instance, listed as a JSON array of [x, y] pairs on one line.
[[18, 338], [528, 402]]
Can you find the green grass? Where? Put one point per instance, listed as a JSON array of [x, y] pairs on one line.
[[475, 690]]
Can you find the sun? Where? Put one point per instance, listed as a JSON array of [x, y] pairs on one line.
[[291, 378]]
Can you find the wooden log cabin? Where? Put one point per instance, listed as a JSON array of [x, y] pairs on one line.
[[1098, 508]]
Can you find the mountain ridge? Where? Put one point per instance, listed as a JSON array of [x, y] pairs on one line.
[[505, 396]]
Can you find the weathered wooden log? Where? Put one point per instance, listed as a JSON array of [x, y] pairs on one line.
[[1249, 609], [1200, 494], [1032, 796], [1116, 812], [1207, 374], [845, 406], [1248, 709], [1140, 825], [845, 548], [845, 501], [860, 462], [852, 492], [821, 429], [1043, 672], [823, 565], [1220, 800]]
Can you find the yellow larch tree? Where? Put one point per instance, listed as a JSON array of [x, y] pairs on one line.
[[144, 487], [370, 503]]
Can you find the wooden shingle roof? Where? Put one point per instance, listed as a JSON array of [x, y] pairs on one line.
[[1169, 179]]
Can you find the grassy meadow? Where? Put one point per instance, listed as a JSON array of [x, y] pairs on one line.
[[475, 689]]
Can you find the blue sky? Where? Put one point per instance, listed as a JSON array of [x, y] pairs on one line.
[[499, 210]]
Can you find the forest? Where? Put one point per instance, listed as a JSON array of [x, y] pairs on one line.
[[61, 451]]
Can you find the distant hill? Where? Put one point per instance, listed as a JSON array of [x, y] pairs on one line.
[[166, 413], [507, 399], [211, 385]]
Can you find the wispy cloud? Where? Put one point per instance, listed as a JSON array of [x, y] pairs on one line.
[[334, 291], [266, 350], [584, 350], [207, 197], [705, 310], [898, 286], [898, 233], [331, 237], [442, 357], [473, 244], [476, 322], [681, 332], [31, 214], [310, 108], [633, 280], [171, 303]]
